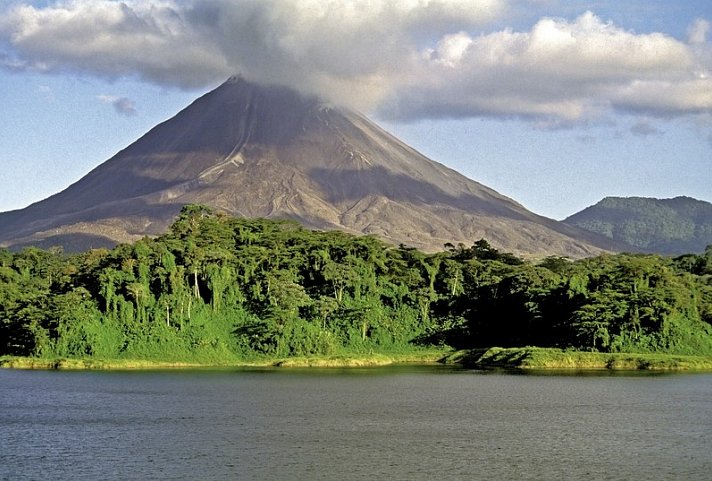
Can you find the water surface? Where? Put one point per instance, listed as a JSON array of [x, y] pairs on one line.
[[407, 422]]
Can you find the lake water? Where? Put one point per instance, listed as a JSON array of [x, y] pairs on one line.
[[405, 423]]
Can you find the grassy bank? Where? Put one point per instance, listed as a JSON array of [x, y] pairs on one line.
[[420, 357], [495, 357], [546, 358], [345, 360]]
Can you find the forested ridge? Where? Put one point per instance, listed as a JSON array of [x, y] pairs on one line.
[[669, 226], [216, 288]]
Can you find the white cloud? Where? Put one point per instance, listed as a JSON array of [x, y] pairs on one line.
[[111, 39], [122, 105], [697, 33], [406, 59], [568, 71], [45, 93], [665, 97], [10, 63]]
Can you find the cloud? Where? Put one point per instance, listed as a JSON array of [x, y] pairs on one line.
[[566, 71], [587, 139], [697, 33], [405, 59], [110, 39], [7, 62], [644, 129], [122, 105]]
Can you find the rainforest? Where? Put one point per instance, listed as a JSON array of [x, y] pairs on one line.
[[220, 290]]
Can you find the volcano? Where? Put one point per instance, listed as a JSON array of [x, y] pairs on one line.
[[266, 151]]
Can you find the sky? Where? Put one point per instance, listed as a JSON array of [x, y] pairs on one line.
[[555, 104]]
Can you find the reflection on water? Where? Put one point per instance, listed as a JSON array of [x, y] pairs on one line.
[[407, 422]]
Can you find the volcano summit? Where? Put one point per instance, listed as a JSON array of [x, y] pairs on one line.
[[266, 151]]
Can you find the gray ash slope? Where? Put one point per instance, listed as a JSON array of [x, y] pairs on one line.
[[265, 151]]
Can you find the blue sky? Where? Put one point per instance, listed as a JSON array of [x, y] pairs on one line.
[[556, 104]]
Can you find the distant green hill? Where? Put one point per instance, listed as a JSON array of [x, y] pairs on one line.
[[666, 226]]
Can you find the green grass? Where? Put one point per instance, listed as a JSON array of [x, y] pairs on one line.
[[547, 358], [341, 360], [364, 360], [495, 357], [106, 364]]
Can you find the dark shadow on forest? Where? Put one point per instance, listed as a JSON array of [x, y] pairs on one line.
[[70, 243]]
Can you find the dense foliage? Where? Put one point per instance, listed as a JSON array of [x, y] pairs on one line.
[[669, 226], [218, 288]]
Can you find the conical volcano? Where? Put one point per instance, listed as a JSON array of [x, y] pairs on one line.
[[266, 151]]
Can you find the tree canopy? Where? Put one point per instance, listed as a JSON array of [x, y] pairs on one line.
[[216, 288]]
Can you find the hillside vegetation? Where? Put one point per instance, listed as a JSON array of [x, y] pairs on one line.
[[666, 226], [218, 289]]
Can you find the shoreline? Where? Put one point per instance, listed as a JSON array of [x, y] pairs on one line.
[[520, 358], [531, 358], [337, 361]]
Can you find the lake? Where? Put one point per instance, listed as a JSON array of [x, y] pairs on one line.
[[404, 422]]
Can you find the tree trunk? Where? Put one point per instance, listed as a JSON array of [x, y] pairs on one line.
[[196, 288]]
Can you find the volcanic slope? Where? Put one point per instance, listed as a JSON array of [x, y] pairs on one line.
[[267, 151]]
